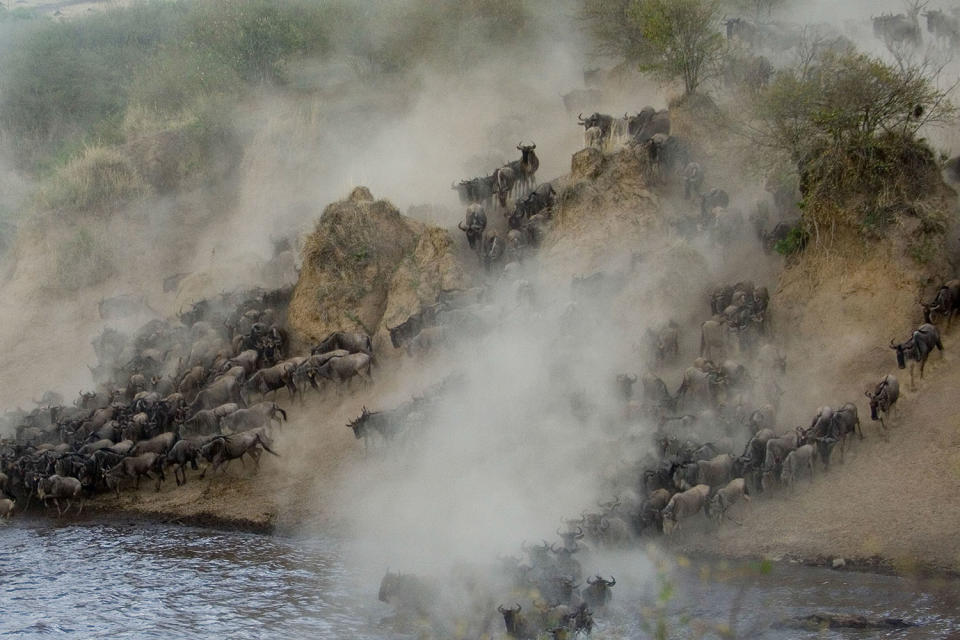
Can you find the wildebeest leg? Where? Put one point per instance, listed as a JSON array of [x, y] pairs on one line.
[[56, 503]]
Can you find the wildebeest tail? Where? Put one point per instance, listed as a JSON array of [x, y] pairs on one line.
[[266, 448]]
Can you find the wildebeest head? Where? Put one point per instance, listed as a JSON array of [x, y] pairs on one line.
[[511, 618], [359, 425], [388, 586]]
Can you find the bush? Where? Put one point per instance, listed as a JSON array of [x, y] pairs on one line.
[[98, 180]]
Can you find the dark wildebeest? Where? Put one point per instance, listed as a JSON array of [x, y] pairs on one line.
[[713, 345], [528, 165], [352, 342], [945, 303], [601, 121], [692, 179], [475, 190], [476, 223], [883, 398], [846, 422], [648, 123], [407, 593], [158, 444], [537, 201], [517, 624], [597, 594], [184, 452], [917, 349], [59, 487]]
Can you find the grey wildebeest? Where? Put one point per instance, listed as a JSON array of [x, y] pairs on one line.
[[272, 379], [222, 391], [259, 415], [476, 222], [134, 467], [726, 497], [504, 180], [883, 398], [917, 349], [683, 505], [222, 449], [798, 461], [354, 342], [777, 451], [58, 488], [158, 444], [346, 368]]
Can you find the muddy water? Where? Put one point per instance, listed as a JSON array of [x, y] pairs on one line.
[[145, 580]]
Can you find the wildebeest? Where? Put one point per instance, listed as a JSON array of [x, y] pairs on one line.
[[726, 497], [408, 594], [184, 452], [664, 341], [476, 223], [58, 488], [346, 367], [742, 30], [846, 422], [943, 27], [134, 467], [475, 190], [537, 201], [352, 342], [601, 121], [504, 179], [945, 303], [917, 348], [898, 29], [597, 594], [528, 165], [683, 505], [6, 507], [799, 460], [222, 449], [883, 398], [516, 624], [222, 391], [646, 124], [272, 379], [158, 444]]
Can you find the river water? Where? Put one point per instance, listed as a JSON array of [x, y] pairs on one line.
[[147, 580]]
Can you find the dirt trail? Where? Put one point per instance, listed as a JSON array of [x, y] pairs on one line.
[[893, 501]]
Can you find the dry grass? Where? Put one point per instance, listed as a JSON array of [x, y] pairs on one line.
[[97, 181]]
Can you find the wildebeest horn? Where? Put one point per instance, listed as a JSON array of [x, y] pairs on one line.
[[580, 117], [589, 581], [611, 582], [579, 532], [892, 346], [500, 608], [533, 146], [460, 226], [552, 548]]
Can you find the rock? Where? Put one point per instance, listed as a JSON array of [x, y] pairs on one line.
[[819, 621], [587, 163], [838, 563]]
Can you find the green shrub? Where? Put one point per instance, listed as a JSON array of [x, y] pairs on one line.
[[794, 243]]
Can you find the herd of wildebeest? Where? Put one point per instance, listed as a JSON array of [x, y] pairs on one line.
[[180, 393]]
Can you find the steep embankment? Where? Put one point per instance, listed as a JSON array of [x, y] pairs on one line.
[[891, 502]]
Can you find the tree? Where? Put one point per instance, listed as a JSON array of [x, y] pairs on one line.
[[680, 39]]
